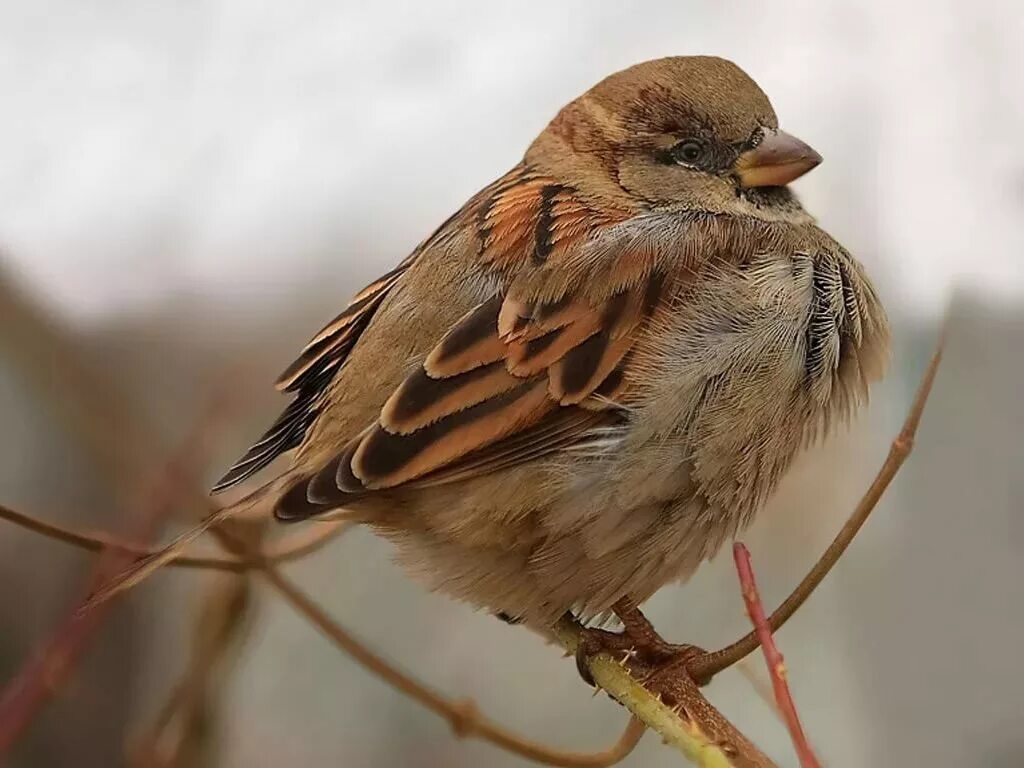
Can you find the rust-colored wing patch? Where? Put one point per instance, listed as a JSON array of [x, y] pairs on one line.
[[531, 219]]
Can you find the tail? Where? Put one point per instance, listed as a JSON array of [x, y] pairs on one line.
[[261, 500]]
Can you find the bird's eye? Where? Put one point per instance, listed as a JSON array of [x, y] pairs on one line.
[[688, 152]]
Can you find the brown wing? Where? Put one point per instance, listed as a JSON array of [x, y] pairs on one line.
[[533, 369]]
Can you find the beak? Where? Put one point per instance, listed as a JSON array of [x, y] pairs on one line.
[[776, 161]]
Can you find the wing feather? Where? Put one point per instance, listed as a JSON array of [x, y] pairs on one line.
[[534, 369]]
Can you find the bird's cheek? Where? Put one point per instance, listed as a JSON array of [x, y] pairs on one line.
[[658, 184], [655, 183]]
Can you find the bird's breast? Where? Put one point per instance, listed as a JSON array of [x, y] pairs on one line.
[[746, 364]]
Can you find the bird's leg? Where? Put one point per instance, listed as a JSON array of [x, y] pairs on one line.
[[640, 641], [648, 643]]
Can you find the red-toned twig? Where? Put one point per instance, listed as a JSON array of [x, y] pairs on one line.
[[772, 656]]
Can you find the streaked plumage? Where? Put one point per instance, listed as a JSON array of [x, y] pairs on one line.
[[596, 371]]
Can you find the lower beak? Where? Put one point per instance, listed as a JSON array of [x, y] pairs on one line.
[[776, 161]]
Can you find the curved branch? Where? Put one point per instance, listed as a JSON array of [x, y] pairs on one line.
[[705, 667], [463, 716], [41, 676], [177, 734]]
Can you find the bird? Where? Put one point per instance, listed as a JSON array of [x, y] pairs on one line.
[[595, 373]]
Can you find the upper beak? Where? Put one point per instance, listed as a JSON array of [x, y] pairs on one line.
[[776, 161]]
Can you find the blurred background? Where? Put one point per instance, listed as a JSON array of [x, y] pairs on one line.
[[188, 190]]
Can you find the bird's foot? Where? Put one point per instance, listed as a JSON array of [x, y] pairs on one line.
[[639, 646]]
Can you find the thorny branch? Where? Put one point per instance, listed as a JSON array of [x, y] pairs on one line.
[[687, 722], [679, 713]]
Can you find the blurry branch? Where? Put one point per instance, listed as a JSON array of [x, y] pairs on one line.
[[463, 716], [772, 656], [294, 547], [705, 667]]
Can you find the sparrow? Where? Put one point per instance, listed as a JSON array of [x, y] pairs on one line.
[[596, 371]]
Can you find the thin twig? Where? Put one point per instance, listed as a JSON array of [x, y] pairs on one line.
[[291, 548], [705, 667], [772, 656]]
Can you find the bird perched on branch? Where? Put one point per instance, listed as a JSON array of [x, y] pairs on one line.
[[594, 373]]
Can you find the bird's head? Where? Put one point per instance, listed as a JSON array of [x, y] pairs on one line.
[[695, 131]]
